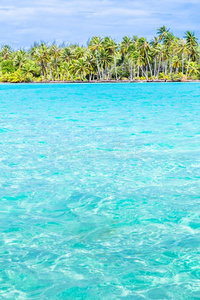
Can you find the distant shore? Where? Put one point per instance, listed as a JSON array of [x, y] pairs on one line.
[[105, 81]]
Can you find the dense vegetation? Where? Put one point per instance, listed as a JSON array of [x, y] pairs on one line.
[[166, 57]]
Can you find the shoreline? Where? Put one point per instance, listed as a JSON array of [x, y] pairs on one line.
[[103, 81]]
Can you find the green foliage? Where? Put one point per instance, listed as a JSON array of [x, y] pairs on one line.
[[4, 77], [175, 77], [7, 66], [166, 57]]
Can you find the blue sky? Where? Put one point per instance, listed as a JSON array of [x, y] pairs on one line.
[[24, 21]]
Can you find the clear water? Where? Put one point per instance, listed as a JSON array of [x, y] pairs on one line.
[[100, 191]]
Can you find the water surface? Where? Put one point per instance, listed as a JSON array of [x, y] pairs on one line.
[[100, 191]]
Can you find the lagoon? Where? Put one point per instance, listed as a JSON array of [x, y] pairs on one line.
[[100, 191]]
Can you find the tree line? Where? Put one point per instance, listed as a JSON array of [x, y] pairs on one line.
[[165, 57]]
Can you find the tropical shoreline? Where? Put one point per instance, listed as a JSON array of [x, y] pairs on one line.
[[165, 58], [103, 81]]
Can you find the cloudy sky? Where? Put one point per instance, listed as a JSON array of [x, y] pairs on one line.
[[24, 21]]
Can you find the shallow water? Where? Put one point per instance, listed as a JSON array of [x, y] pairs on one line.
[[100, 191]]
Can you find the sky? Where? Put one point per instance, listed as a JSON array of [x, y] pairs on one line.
[[24, 22]]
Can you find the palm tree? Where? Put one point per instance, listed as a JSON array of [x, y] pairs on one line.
[[95, 45], [55, 53], [42, 57], [168, 40], [106, 59], [191, 45], [66, 71], [91, 64], [193, 68], [66, 54], [145, 51], [78, 52], [182, 50], [6, 52], [155, 43], [111, 47], [29, 70], [159, 55], [20, 58], [103, 58], [162, 32], [81, 68], [136, 55], [127, 47], [176, 63], [134, 58]]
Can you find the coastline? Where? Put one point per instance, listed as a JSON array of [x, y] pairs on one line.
[[104, 81]]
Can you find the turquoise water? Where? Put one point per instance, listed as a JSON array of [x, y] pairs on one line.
[[100, 191]]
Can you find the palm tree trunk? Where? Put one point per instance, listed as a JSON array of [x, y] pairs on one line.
[[188, 64], [143, 72], [44, 70], [102, 73], [131, 72], [98, 69], [166, 63], [130, 68], [148, 63], [155, 65], [57, 70], [182, 62], [158, 72], [50, 72], [108, 73], [115, 67]]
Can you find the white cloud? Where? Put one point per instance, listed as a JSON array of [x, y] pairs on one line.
[[24, 21]]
